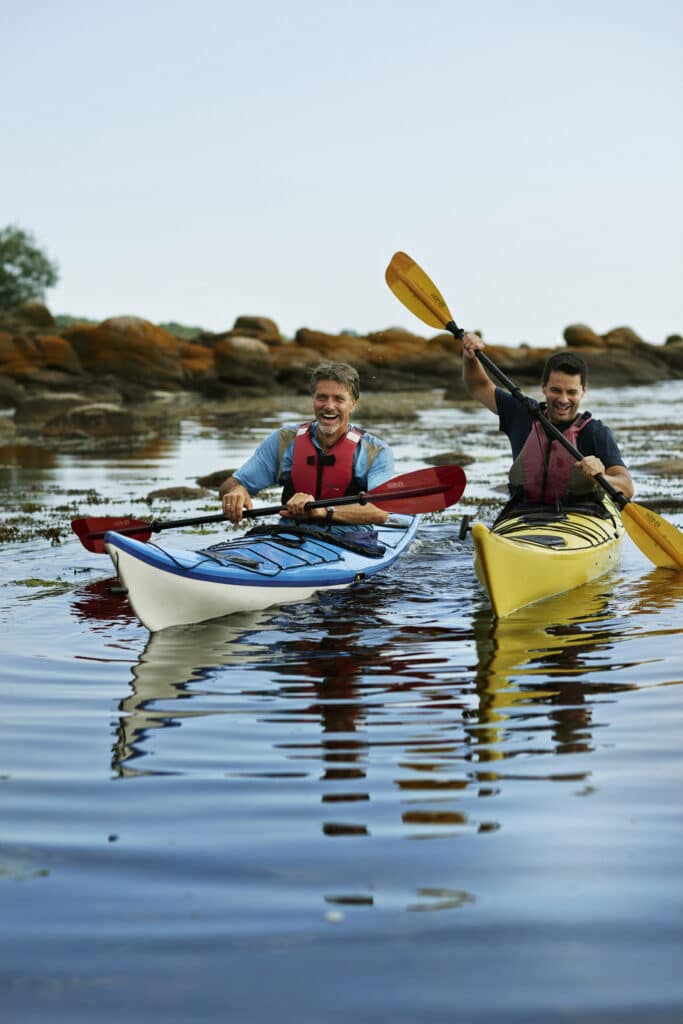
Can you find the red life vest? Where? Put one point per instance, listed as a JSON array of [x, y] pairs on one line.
[[548, 471], [326, 475]]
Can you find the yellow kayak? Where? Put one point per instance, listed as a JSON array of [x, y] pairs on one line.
[[539, 553]]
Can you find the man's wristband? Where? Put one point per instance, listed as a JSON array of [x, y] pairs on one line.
[[329, 515]]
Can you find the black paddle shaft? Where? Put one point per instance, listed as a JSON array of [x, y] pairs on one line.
[[362, 498], [354, 499], [534, 410]]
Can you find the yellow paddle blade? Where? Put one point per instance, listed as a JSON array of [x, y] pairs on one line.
[[659, 540], [413, 288]]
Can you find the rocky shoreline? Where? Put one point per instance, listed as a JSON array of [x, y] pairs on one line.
[[91, 382], [126, 383]]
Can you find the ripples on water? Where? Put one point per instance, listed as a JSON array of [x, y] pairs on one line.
[[377, 805]]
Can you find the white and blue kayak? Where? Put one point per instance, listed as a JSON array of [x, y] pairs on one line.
[[288, 561], [271, 565]]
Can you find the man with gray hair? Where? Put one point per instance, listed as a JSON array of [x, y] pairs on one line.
[[324, 458]]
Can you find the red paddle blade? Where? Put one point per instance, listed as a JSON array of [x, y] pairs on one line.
[[91, 530], [425, 490]]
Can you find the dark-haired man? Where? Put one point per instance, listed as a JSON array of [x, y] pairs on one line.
[[543, 472], [324, 458]]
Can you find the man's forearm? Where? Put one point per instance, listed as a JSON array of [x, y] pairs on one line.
[[620, 478], [359, 515]]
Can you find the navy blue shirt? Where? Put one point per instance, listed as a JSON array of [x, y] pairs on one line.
[[516, 422]]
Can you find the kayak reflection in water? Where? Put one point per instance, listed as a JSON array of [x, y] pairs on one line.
[[543, 473], [325, 458]]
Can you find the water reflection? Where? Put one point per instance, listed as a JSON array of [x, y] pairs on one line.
[[342, 690], [656, 591], [169, 670], [391, 723], [533, 676], [23, 456], [102, 603]]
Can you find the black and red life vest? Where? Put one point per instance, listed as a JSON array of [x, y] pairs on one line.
[[544, 471], [324, 475]]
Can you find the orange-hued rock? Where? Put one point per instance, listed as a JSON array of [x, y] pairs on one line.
[[341, 348], [24, 358], [58, 354], [128, 347], [391, 359], [27, 316], [17, 355], [243, 361], [292, 366], [197, 361], [124, 358], [261, 327], [624, 337], [582, 336]]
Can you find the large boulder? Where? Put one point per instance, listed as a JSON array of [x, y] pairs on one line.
[[26, 358], [243, 362], [672, 354], [624, 338], [33, 411], [338, 348], [197, 362], [28, 315], [102, 421], [56, 353], [292, 366], [261, 327], [130, 348], [18, 355], [582, 336]]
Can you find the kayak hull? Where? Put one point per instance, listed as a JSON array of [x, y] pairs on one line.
[[539, 554], [170, 587]]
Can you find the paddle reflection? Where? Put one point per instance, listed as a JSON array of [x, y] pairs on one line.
[[657, 591], [101, 603]]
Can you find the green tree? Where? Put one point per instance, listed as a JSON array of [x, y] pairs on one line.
[[25, 270]]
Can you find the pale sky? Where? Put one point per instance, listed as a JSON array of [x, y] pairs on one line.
[[195, 161]]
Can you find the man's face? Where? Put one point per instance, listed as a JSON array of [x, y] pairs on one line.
[[563, 393], [332, 408]]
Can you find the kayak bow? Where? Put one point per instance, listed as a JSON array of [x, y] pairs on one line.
[[533, 555]]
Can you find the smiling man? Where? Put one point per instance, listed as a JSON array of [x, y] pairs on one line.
[[324, 458], [543, 472]]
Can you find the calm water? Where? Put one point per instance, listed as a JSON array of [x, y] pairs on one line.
[[380, 805]]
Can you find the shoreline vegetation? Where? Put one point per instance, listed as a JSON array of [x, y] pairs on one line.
[[71, 385]]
